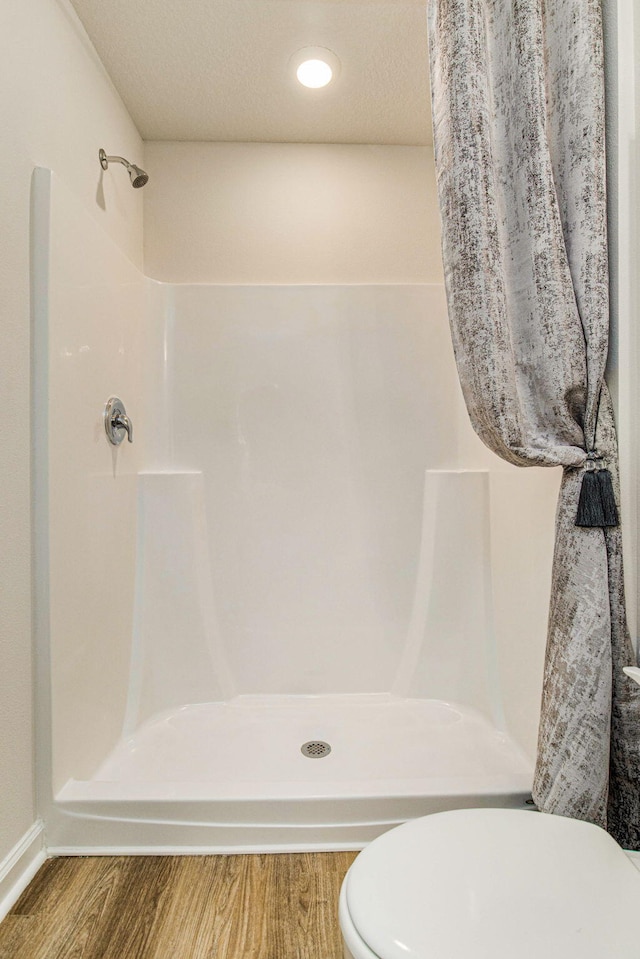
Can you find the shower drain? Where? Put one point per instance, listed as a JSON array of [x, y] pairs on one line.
[[315, 749]]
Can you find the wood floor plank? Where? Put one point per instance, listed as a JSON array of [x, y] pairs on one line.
[[84, 924], [128, 926], [68, 903], [251, 926], [187, 926], [211, 920], [306, 898], [280, 906], [14, 931], [53, 882]]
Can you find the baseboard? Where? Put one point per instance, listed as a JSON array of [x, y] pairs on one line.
[[18, 868]]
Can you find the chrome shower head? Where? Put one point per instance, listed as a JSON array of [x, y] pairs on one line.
[[137, 176]]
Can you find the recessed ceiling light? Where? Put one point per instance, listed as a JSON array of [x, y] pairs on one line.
[[314, 73], [315, 67]]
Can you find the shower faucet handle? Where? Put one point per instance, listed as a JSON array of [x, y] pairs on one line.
[[122, 421], [116, 421]]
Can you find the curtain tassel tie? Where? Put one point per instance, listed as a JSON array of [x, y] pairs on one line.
[[597, 503]]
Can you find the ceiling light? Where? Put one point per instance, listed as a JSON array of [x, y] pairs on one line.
[[314, 73], [315, 67]]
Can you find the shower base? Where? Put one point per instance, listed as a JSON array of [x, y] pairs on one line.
[[231, 776]]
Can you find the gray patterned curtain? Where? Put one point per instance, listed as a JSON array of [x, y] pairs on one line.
[[518, 119]]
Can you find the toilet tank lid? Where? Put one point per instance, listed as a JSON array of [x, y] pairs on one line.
[[495, 883]]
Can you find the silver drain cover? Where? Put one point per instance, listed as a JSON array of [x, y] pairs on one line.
[[315, 749]]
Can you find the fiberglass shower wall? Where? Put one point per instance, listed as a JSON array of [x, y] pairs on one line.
[[90, 308], [304, 510], [300, 423], [316, 514]]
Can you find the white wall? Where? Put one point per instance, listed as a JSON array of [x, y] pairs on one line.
[[275, 213], [58, 107]]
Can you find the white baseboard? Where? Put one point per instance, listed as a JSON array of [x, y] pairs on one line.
[[18, 868]]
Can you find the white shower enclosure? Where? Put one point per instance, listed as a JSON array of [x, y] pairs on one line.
[[304, 543]]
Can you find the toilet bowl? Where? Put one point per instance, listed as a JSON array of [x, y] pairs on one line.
[[491, 884]]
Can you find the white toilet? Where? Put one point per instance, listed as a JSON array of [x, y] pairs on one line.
[[492, 884]]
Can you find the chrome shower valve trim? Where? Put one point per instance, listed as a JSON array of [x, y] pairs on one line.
[[116, 421]]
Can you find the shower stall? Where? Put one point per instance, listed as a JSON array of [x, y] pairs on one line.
[[304, 544]]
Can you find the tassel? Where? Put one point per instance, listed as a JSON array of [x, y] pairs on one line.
[[597, 504], [607, 499], [590, 511]]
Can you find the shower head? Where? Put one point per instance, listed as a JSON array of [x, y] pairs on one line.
[[137, 176]]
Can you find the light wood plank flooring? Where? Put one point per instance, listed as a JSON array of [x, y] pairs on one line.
[[281, 906]]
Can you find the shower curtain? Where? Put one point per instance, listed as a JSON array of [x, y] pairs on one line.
[[518, 120]]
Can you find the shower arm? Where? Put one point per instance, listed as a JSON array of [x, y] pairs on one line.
[[106, 160], [137, 176]]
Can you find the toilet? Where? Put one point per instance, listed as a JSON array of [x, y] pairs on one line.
[[492, 884]]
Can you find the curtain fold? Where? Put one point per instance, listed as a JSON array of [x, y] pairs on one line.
[[518, 120]]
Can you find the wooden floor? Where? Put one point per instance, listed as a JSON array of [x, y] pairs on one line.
[[281, 906]]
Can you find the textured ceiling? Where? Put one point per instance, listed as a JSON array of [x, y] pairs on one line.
[[219, 69]]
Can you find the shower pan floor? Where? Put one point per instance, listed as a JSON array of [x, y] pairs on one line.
[[251, 746], [231, 776]]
